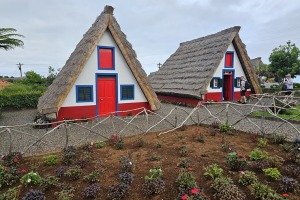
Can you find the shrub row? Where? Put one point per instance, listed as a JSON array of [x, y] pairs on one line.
[[24, 99]]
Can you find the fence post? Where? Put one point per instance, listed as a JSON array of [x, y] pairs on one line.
[[227, 114], [10, 141], [262, 121], [67, 134]]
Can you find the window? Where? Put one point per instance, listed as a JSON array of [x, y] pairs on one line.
[[84, 93], [238, 82], [127, 92], [216, 82], [106, 57], [229, 59]]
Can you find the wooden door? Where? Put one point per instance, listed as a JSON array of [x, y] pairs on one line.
[[107, 98]]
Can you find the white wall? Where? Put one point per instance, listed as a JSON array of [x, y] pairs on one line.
[[237, 67], [87, 76]]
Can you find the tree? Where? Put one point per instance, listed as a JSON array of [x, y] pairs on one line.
[[285, 60], [32, 78], [7, 40]]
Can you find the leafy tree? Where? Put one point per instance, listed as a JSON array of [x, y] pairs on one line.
[[285, 60], [7, 40], [51, 75], [32, 78]]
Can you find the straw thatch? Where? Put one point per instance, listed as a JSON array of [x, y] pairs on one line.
[[190, 69], [55, 95]]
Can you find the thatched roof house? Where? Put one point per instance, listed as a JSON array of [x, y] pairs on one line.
[[190, 70], [104, 32]]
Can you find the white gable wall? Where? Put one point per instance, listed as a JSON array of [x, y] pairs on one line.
[[237, 67], [88, 75]]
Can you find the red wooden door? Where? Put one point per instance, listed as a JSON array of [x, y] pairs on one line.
[[228, 83], [107, 99]]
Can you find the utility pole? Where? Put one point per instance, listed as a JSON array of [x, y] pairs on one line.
[[20, 68]]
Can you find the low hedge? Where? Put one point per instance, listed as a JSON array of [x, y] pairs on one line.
[[24, 99]]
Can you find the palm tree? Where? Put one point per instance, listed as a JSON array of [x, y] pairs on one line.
[[7, 41]]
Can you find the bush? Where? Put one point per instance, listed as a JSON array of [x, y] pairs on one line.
[[49, 182], [236, 161], [50, 160], [186, 179], [126, 164], [100, 144], [60, 172], [117, 192], [31, 178], [91, 191], [93, 176], [10, 194], [257, 154], [272, 173], [247, 178], [34, 195], [74, 172], [213, 171], [221, 182], [69, 154], [12, 160], [153, 186], [289, 184], [262, 142], [229, 192], [261, 191], [126, 177]]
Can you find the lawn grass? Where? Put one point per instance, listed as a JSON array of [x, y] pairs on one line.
[[287, 115]]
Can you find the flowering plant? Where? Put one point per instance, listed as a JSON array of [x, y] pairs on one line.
[[199, 137], [31, 178], [194, 194], [12, 159], [186, 179], [117, 141], [236, 161]]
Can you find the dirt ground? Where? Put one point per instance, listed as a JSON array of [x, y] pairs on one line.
[[199, 154]]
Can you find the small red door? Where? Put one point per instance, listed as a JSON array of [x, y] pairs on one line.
[[107, 99], [227, 87]]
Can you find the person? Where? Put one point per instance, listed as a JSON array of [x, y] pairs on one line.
[[243, 99], [289, 86]]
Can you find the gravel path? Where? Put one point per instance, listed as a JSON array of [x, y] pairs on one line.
[[86, 132]]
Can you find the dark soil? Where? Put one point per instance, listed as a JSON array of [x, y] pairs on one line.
[[200, 155]]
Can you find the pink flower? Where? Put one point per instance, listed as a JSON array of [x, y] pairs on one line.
[[23, 171], [230, 149], [190, 169], [285, 195], [16, 160], [184, 197], [198, 132], [114, 136], [242, 172], [194, 190], [239, 155]]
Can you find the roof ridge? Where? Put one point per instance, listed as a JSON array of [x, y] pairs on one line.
[[228, 30]]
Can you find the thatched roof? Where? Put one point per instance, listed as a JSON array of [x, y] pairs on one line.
[[190, 69], [55, 95], [256, 62]]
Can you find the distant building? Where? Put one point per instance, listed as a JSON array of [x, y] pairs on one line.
[[207, 68]]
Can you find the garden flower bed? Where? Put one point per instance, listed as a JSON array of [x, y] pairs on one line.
[[196, 162]]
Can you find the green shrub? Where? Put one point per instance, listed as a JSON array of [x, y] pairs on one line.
[[229, 192], [50, 160], [261, 191], [100, 144], [262, 142], [213, 171], [31, 178], [272, 173], [221, 182], [93, 176], [154, 173], [247, 178], [49, 182], [225, 128], [186, 179], [26, 99], [10, 194], [74, 172], [236, 161], [257, 154]]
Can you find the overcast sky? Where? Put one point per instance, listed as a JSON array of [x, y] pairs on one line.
[[52, 28]]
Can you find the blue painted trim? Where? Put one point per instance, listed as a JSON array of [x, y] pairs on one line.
[[218, 82], [113, 57], [233, 72], [238, 80], [121, 92], [229, 52], [77, 95], [117, 84]]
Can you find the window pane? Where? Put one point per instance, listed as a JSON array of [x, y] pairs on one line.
[[84, 93], [127, 92]]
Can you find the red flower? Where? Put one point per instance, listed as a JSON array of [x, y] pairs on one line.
[[190, 169], [194, 190], [184, 197], [198, 132], [16, 160], [23, 171], [285, 195], [114, 136], [239, 155]]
